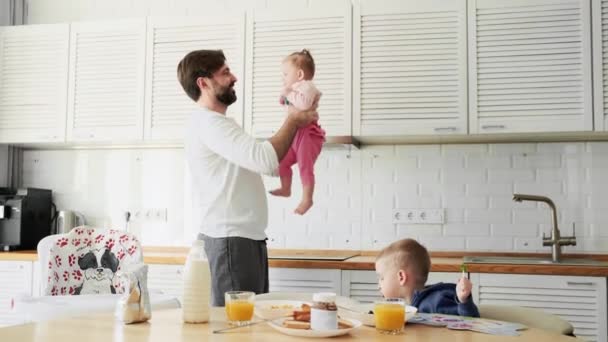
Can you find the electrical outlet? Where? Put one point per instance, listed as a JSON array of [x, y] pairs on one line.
[[418, 216], [148, 214]]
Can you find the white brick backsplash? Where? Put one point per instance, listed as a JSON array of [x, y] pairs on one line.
[[533, 161], [427, 190], [443, 243], [596, 230], [531, 244], [506, 202], [441, 162], [511, 149], [597, 147], [467, 229], [490, 162], [381, 215], [593, 160], [544, 189], [472, 202], [300, 241], [487, 215], [419, 230], [509, 175], [404, 200], [452, 176], [454, 215], [561, 148], [597, 176], [477, 189], [423, 151], [417, 176], [345, 241], [517, 229], [535, 216], [461, 149], [489, 244], [377, 151], [357, 191], [597, 245]]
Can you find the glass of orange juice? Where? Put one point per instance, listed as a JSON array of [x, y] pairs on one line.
[[389, 315], [239, 306]]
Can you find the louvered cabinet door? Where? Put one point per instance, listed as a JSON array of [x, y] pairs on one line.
[[579, 300], [304, 280], [169, 40], [271, 36], [530, 66], [106, 81], [600, 64], [410, 68], [167, 279], [16, 281], [33, 83]]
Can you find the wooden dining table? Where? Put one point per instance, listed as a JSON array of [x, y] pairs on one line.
[[167, 325]]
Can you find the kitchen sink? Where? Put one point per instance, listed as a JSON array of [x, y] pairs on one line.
[[531, 261]]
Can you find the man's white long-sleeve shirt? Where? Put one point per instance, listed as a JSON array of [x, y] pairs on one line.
[[225, 163]]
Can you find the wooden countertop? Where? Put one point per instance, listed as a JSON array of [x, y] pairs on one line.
[[441, 261], [166, 325]]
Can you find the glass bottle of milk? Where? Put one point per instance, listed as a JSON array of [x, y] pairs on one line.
[[197, 285]]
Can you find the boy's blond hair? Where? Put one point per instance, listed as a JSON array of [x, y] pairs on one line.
[[303, 60], [408, 254]]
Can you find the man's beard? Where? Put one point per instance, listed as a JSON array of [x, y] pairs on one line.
[[226, 95]]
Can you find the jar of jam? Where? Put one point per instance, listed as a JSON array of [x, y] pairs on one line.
[[324, 312]]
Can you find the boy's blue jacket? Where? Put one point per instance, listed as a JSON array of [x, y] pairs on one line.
[[441, 298]]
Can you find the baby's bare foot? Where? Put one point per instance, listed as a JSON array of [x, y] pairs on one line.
[[281, 192], [303, 207]]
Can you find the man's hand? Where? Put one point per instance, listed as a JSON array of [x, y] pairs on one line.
[[463, 289], [303, 118]]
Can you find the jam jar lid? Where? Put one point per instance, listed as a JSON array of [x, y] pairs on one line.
[[324, 297]]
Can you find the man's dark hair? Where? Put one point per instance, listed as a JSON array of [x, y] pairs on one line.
[[198, 63]]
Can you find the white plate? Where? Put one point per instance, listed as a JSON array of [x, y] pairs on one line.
[[278, 325], [360, 313], [271, 309]]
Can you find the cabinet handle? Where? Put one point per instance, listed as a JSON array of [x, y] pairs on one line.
[[493, 127], [446, 129], [576, 283]]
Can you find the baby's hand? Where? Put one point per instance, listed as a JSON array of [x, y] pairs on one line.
[[463, 289]]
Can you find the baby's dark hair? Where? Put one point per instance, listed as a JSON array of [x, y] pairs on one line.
[[303, 60]]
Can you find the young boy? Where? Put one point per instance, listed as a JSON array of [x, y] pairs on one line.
[[403, 268]]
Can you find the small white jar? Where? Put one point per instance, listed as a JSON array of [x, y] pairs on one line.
[[324, 312]]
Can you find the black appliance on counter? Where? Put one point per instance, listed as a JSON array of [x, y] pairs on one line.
[[25, 217]]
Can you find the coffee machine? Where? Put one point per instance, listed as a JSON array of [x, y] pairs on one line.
[[25, 217]]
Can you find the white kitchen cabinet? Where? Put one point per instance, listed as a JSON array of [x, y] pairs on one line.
[[304, 280], [106, 81], [166, 278], [33, 83], [274, 34], [363, 285], [16, 281], [579, 300], [410, 67], [600, 63], [167, 106], [530, 66]]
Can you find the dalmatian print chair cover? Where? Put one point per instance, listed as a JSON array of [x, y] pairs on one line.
[[86, 260]]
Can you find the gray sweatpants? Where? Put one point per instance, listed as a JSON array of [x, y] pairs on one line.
[[237, 264]]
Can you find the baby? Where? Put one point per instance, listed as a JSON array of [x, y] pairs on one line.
[[403, 268], [299, 91]]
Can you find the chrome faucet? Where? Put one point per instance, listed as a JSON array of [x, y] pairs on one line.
[[556, 241]]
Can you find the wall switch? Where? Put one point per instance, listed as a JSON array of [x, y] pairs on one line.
[[418, 216]]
